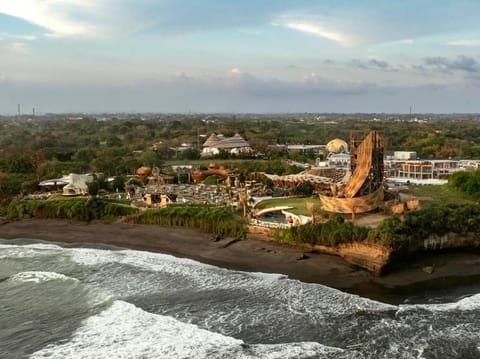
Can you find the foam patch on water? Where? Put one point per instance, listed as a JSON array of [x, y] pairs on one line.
[[464, 304], [28, 250], [38, 277], [125, 331]]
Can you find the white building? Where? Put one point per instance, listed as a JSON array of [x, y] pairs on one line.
[[235, 145], [77, 185]]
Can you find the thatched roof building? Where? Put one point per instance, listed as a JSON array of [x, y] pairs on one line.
[[234, 145]]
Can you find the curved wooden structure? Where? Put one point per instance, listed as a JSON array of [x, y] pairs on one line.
[[364, 190], [360, 204]]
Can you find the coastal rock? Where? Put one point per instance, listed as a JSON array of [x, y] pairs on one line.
[[302, 257]]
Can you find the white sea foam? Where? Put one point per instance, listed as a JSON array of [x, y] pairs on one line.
[[464, 304], [125, 331], [28, 250], [208, 277], [38, 277]]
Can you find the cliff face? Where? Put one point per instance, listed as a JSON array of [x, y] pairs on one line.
[[370, 256], [374, 257]]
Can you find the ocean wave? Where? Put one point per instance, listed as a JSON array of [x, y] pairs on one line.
[[207, 277], [38, 277], [126, 331], [27, 250], [464, 304]]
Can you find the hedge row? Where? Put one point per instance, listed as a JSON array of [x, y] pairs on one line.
[[83, 209], [218, 220], [330, 233]]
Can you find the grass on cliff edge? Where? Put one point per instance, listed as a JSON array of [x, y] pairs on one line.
[[430, 195], [299, 204]]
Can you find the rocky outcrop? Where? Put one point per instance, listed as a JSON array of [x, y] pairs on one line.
[[370, 256], [367, 255], [375, 257]]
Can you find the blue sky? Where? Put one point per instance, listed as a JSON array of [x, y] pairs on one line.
[[239, 56]]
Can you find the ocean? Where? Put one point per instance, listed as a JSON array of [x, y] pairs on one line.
[[64, 301]]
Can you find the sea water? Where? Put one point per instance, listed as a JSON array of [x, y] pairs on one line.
[[59, 301]]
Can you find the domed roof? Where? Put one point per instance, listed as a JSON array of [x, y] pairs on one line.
[[337, 146], [143, 171]]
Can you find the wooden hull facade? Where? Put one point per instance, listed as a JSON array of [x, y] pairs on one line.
[[360, 204], [364, 190]]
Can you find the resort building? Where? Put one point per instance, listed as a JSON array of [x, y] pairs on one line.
[[404, 164], [235, 145], [78, 185], [71, 185]]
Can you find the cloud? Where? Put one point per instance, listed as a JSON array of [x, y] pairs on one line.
[[59, 17], [93, 18], [346, 23], [238, 92], [461, 63], [466, 43], [5, 35], [319, 31], [372, 64]]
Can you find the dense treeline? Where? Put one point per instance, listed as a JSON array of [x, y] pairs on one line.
[[47, 147]]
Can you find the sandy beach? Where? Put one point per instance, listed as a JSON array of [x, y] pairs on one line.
[[250, 255]]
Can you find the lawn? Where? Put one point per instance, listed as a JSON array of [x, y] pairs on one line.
[[299, 204], [431, 195]]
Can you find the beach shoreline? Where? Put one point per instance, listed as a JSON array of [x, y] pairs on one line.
[[252, 255]]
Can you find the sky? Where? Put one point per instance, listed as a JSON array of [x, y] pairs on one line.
[[262, 56]]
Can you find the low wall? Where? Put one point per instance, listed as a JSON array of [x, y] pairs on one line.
[[450, 241]]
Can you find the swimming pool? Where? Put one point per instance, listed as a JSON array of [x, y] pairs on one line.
[[274, 218]]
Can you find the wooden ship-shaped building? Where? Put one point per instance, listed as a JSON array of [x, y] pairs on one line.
[[364, 190]]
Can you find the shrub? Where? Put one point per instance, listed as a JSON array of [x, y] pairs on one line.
[[218, 220]]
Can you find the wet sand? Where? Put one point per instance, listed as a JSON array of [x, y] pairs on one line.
[[250, 255]]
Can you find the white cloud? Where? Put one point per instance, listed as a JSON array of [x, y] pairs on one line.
[[467, 43], [318, 30], [54, 15], [6, 35]]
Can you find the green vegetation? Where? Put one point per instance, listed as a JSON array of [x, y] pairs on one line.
[[401, 233], [431, 195], [466, 182], [419, 225], [215, 220], [83, 209], [330, 233]]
